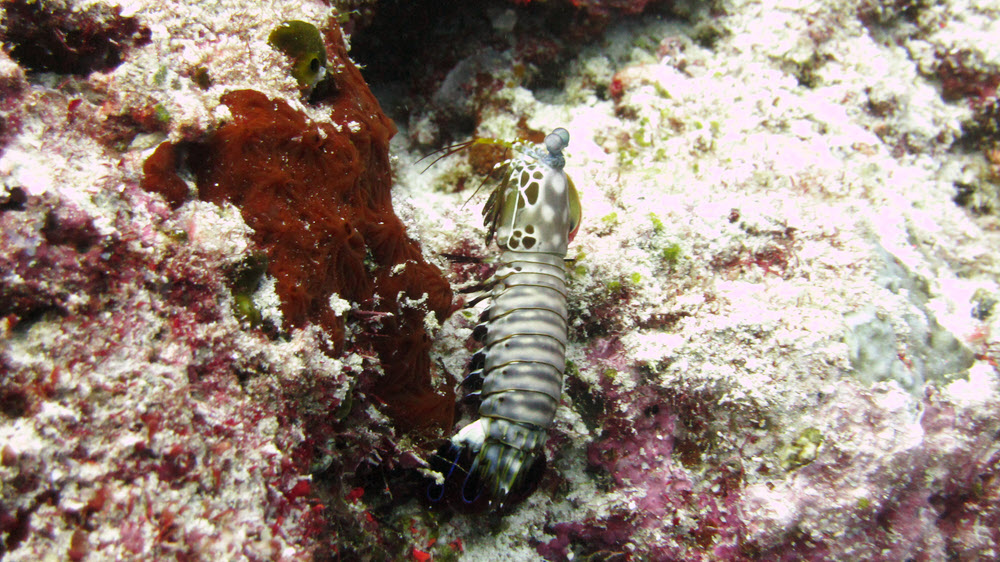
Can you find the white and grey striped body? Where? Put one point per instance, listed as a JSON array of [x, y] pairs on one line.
[[525, 344], [534, 213]]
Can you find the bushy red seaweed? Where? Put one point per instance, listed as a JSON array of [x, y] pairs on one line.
[[317, 196]]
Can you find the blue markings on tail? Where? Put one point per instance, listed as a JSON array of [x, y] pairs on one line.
[[435, 491], [464, 488], [461, 489]]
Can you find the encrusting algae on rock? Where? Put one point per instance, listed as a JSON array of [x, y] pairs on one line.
[[146, 410]]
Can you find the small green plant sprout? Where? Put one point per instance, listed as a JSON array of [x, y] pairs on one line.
[[302, 42], [345, 16], [161, 113], [671, 253], [627, 154], [571, 369], [644, 136], [575, 265], [624, 283], [244, 278], [802, 451], [160, 78], [657, 223], [609, 223], [245, 310]]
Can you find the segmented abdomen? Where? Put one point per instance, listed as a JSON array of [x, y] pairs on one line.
[[525, 344], [524, 356]]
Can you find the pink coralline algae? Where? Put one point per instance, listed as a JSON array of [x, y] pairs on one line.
[[121, 399], [961, 78], [650, 441], [140, 416], [687, 492]]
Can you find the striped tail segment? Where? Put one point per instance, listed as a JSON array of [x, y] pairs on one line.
[[490, 476]]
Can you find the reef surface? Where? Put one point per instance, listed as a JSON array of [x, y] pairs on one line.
[[223, 336]]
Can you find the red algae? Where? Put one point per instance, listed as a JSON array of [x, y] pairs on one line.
[[160, 175], [49, 37], [317, 196]]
